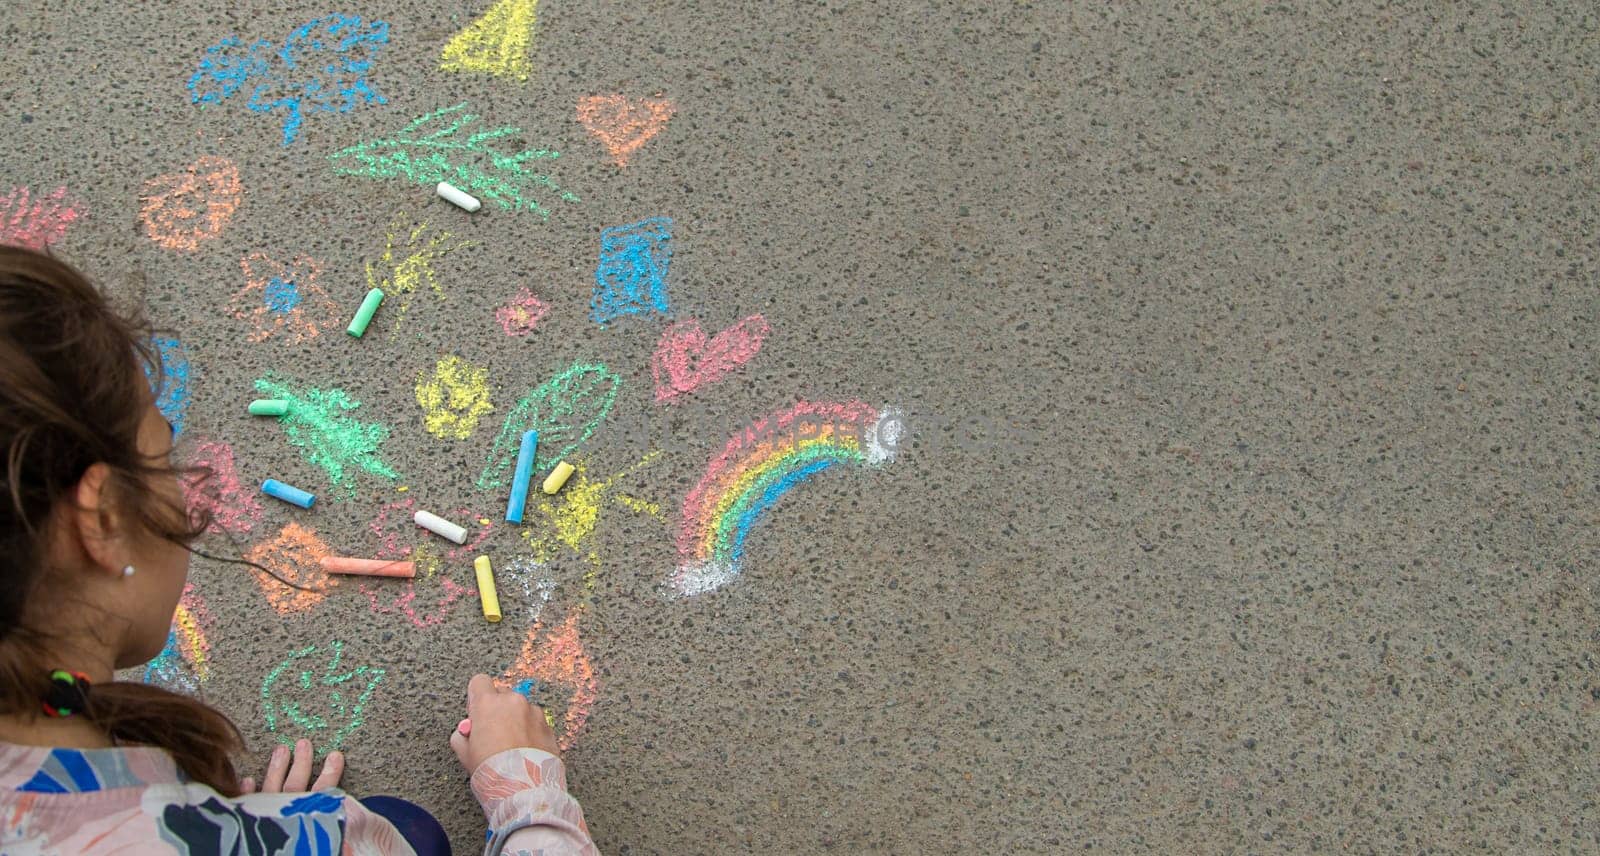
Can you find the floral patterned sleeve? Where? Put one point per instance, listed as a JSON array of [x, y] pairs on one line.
[[524, 795]]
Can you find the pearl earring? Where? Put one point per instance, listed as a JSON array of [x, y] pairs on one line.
[[127, 572]]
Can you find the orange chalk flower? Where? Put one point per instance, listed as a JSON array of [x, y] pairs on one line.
[[295, 555], [279, 297]]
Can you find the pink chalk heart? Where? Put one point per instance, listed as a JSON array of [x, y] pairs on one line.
[[684, 361]]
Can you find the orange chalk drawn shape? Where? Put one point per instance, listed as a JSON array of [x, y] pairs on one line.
[[35, 220], [296, 555], [496, 43], [623, 125], [280, 297], [183, 208], [554, 667], [685, 360]]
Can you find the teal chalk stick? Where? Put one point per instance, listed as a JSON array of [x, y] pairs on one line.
[[369, 307], [524, 475]]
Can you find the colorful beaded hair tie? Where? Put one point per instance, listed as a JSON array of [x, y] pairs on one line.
[[69, 693]]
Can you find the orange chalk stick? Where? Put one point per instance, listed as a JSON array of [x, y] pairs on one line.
[[369, 567]]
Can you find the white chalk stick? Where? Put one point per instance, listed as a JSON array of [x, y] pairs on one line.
[[457, 196], [441, 527]]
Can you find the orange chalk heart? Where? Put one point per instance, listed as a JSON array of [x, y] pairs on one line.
[[624, 125]]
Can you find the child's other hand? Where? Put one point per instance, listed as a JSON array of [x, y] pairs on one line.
[[291, 772], [501, 720]]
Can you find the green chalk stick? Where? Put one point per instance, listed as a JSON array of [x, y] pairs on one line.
[[269, 407], [364, 314]]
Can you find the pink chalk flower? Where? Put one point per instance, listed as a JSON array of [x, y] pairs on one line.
[[521, 313]]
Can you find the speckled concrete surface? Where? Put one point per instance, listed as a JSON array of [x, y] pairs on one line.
[[1247, 353]]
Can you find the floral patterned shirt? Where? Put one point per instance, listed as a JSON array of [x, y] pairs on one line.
[[135, 800]]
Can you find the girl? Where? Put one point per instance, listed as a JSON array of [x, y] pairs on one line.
[[93, 557]]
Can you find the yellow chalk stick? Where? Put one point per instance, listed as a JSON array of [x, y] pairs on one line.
[[558, 477], [491, 601]]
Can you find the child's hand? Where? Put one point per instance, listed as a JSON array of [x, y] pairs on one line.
[[501, 720], [286, 774]]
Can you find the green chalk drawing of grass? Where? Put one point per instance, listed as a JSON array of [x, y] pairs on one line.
[[430, 150], [565, 410], [337, 443], [334, 708]]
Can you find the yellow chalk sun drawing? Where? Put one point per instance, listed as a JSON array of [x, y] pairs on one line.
[[453, 398]]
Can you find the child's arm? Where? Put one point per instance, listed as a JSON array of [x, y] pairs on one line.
[[524, 795]]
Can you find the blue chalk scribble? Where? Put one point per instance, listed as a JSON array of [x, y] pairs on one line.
[[172, 389], [321, 67], [632, 274], [170, 670], [281, 296]]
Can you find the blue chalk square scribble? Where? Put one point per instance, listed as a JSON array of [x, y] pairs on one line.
[[632, 274]]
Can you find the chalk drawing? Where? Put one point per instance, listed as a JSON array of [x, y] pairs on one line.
[[427, 156], [312, 694], [761, 464], [565, 410], [289, 77], [521, 313], [295, 554], [402, 271], [430, 598], [624, 125], [317, 426], [684, 361], [172, 392], [453, 398], [35, 220], [554, 666], [567, 525], [184, 664], [280, 297], [632, 274], [496, 43], [529, 576], [233, 507], [181, 209]]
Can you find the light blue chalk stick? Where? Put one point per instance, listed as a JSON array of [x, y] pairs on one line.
[[292, 495], [524, 475]]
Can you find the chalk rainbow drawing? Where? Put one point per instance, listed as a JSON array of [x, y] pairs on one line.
[[172, 391], [317, 426], [402, 271], [396, 532], [565, 410], [521, 313], [35, 220], [181, 209], [184, 664], [758, 466], [556, 662], [631, 276], [453, 398], [233, 507], [295, 554], [496, 43], [327, 707], [283, 297], [622, 124], [684, 360], [423, 156], [288, 76]]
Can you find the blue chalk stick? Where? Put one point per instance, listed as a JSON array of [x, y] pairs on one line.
[[291, 495], [524, 475]]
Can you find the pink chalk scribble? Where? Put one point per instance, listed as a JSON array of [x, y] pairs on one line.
[[521, 313], [35, 220], [388, 597], [233, 508], [685, 361]]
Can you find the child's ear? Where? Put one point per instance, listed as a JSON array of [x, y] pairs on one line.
[[96, 525]]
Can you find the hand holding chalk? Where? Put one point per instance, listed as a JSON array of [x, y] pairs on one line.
[[497, 720]]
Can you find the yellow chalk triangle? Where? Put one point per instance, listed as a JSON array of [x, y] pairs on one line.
[[497, 43]]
